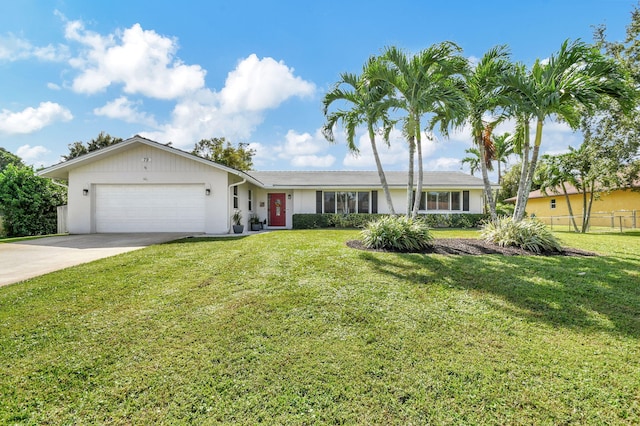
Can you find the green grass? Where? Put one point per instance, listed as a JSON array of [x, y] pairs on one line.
[[296, 328]]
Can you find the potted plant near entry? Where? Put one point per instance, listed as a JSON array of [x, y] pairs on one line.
[[238, 227], [255, 222]]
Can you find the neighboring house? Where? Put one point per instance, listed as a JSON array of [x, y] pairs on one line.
[[139, 185], [619, 202]]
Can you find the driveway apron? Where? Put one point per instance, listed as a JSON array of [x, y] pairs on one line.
[[27, 259]]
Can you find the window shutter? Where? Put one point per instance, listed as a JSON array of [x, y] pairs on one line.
[[465, 201], [319, 202], [374, 201]]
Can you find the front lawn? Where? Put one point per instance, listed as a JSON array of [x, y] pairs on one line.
[[294, 327]]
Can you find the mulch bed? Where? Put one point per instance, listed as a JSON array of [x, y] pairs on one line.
[[471, 246]]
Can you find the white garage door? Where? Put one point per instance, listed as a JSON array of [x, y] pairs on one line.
[[149, 208]]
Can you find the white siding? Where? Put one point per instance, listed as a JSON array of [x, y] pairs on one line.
[[161, 168]]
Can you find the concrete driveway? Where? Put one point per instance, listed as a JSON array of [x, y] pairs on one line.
[[27, 259]]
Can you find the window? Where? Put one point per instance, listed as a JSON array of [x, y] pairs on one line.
[[363, 202], [235, 197], [455, 201], [249, 195], [553, 203], [346, 202], [329, 202], [423, 200], [442, 200]]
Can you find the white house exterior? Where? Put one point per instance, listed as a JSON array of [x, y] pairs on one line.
[[140, 185]]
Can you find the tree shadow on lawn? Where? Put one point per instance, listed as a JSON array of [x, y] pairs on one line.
[[588, 294]]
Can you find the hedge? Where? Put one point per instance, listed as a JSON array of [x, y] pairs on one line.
[[360, 220]]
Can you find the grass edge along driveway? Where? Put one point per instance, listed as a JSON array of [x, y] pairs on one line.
[[296, 328]]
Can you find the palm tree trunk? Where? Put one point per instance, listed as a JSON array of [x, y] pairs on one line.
[[412, 148], [485, 178], [523, 196], [523, 168], [586, 216], [381, 175], [416, 201], [566, 196]]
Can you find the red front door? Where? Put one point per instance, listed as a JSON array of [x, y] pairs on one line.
[[277, 210]]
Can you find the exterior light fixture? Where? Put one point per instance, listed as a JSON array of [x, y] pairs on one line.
[[288, 196], [85, 191], [207, 191]]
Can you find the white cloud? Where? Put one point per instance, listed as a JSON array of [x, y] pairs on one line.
[[30, 154], [259, 84], [142, 60], [444, 164], [13, 49], [206, 113], [396, 154], [307, 161], [303, 149], [126, 110], [53, 86], [32, 119]]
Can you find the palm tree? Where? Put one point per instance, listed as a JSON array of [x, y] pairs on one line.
[[570, 82], [425, 83], [369, 105], [483, 92], [503, 147], [473, 159], [551, 175]]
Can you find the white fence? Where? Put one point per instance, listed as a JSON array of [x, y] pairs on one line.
[[620, 220], [62, 220]]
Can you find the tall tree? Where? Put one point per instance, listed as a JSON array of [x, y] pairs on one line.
[[368, 104], [483, 92], [428, 82], [78, 148], [574, 80], [28, 202], [223, 152], [7, 158], [553, 175]]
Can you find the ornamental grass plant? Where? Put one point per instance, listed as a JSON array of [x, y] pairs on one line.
[[529, 234], [397, 233]]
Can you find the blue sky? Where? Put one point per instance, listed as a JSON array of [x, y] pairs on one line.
[[252, 71]]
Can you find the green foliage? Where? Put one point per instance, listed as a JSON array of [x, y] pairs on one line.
[[360, 220], [397, 233], [223, 152], [529, 234], [505, 209], [28, 202], [103, 140], [7, 158], [463, 220]]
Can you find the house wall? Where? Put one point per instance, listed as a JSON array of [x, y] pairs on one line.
[[616, 201], [305, 200], [128, 167]]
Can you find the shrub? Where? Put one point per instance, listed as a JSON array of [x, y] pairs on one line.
[[310, 221], [397, 233], [457, 220], [360, 220], [529, 234]]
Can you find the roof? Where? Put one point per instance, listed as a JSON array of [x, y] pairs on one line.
[[554, 192], [280, 179], [362, 179], [61, 170]]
